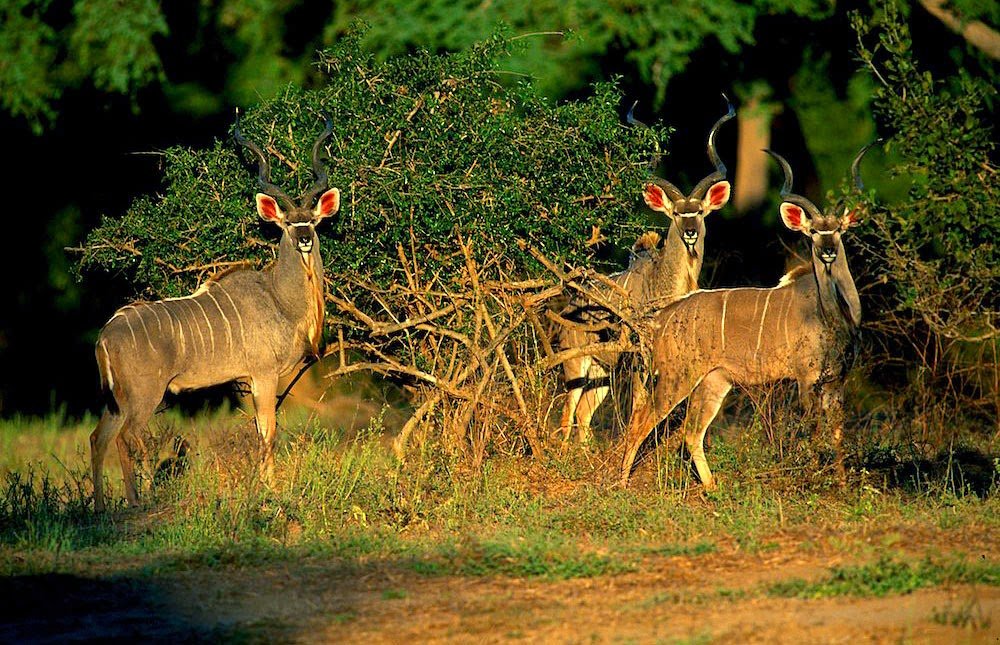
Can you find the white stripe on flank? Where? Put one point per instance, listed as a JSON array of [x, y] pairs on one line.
[[211, 330], [763, 319], [135, 343], [106, 375], [725, 302], [239, 317], [170, 317], [159, 324], [180, 329], [788, 310], [229, 327], [149, 341], [198, 327], [178, 335]]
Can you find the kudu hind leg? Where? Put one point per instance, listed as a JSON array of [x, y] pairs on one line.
[[130, 443], [645, 418], [703, 406], [129, 440], [107, 428], [134, 406]]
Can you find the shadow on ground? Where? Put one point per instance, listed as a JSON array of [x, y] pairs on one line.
[[961, 471], [59, 608]]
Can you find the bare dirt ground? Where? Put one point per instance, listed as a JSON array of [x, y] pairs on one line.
[[673, 599]]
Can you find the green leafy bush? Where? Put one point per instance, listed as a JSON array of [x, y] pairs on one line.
[[941, 245], [933, 256], [422, 144]]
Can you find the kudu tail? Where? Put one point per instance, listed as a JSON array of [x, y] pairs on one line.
[[107, 377]]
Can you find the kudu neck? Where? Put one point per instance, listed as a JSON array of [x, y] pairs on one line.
[[679, 266], [839, 303], [294, 274]]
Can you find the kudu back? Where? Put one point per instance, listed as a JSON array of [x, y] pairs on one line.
[[711, 340], [660, 271], [241, 324]]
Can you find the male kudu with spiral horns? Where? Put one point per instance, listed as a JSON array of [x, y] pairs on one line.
[[240, 324], [711, 340], [656, 275]]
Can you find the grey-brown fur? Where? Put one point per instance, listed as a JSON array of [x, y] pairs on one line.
[[244, 324], [711, 340], [657, 275]]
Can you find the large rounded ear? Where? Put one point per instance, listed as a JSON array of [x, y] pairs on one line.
[[328, 204], [717, 196], [268, 208], [794, 217], [657, 199], [851, 217]]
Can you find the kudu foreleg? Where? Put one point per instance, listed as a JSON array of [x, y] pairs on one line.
[[703, 406], [265, 395], [832, 424]]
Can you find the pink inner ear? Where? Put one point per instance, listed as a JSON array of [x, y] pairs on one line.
[[267, 207], [719, 194], [792, 215], [328, 203], [654, 196]]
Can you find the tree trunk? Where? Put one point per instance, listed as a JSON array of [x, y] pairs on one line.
[[976, 33], [754, 120]]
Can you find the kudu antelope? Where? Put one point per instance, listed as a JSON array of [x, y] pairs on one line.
[[710, 340], [657, 274], [241, 324]]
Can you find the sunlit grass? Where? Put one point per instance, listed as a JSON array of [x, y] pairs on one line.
[[344, 494]]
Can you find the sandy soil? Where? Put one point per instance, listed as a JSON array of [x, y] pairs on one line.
[[674, 599]]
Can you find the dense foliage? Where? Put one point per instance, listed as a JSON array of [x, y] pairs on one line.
[[53, 45], [658, 40], [424, 148], [939, 247], [43, 53]]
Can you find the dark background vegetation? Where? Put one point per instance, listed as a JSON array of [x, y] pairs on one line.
[[91, 94]]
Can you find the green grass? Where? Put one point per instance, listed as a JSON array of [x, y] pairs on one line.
[[345, 496], [966, 614], [552, 557], [889, 576], [54, 442]]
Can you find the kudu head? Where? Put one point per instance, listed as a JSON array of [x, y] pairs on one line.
[[712, 193], [297, 220], [825, 230]]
